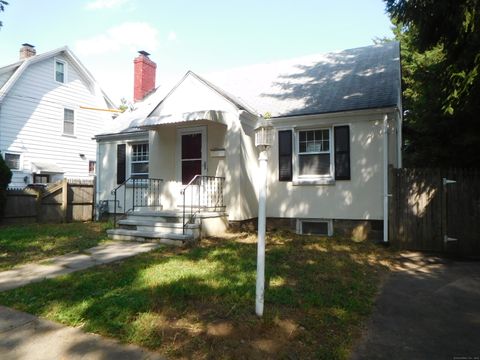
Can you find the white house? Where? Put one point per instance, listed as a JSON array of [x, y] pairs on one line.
[[187, 157], [49, 113]]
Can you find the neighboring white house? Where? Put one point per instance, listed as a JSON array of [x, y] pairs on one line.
[[337, 121], [47, 117]]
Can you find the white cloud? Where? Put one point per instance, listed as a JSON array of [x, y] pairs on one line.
[[172, 36], [129, 36], [105, 4]]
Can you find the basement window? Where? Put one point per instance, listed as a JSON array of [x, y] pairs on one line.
[[314, 227]]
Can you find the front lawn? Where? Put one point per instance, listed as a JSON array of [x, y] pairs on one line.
[[199, 303], [33, 242]]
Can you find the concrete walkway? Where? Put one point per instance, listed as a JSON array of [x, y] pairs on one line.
[[65, 264], [25, 337], [428, 309]]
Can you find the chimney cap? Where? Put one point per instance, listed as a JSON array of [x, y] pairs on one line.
[[144, 53], [29, 45]]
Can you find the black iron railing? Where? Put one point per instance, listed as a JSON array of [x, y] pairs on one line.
[[205, 193], [137, 193]]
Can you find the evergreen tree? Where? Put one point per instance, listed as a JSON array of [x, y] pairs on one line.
[[440, 65]]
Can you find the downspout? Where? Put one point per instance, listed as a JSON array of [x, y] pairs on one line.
[[399, 139], [385, 178]]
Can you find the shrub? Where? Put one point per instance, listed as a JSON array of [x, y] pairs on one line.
[[5, 178]]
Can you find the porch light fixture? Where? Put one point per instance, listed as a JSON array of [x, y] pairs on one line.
[[263, 141], [263, 134]]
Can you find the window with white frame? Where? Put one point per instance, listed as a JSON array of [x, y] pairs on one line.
[[92, 167], [12, 161], [315, 227], [60, 68], [314, 153], [68, 121], [139, 161]]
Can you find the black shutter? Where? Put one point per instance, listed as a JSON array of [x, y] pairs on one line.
[[121, 163], [285, 155], [342, 152]]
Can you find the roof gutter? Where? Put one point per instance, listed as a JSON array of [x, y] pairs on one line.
[[336, 114]]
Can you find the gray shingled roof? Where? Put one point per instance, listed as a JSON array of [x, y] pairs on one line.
[[361, 78]]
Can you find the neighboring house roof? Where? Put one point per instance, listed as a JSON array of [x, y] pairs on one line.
[[11, 73], [355, 79]]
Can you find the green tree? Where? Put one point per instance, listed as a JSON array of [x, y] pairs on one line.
[[3, 3], [124, 106], [453, 25], [439, 81], [5, 178]]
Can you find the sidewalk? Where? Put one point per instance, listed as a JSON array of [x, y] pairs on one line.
[[26, 337], [65, 264]]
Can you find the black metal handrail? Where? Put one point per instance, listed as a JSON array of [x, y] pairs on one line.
[[145, 193], [210, 196]]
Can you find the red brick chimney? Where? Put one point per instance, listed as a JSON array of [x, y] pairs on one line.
[[27, 51], [144, 76]]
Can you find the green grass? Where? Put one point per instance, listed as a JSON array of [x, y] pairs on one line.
[[33, 242], [199, 303]]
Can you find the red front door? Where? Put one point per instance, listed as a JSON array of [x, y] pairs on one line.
[[191, 156]]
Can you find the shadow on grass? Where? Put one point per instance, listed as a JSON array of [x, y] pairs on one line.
[[200, 302]]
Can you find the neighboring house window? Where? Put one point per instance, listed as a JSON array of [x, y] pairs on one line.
[[60, 71], [68, 121], [41, 179], [12, 161], [92, 165], [139, 161], [314, 155]]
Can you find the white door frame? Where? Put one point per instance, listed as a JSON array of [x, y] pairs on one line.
[[191, 130]]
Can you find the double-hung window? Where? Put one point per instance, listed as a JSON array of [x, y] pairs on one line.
[[139, 161], [314, 153], [60, 68], [314, 156], [68, 121]]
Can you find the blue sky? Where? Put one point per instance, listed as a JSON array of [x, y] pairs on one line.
[[203, 36]]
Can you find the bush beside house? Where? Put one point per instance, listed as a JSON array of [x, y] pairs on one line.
[[5, 178]]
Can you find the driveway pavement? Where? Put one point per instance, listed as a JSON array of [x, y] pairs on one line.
[[428, 309]]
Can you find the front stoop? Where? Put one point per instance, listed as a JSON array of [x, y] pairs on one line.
[[165, 227]]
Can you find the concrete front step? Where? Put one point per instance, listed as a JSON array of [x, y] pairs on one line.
[[167, 238], [140, 223]]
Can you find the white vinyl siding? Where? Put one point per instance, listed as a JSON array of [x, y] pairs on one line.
[[32, 115]]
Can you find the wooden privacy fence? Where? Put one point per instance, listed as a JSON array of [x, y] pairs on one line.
[[435, 210], [64, 201]]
